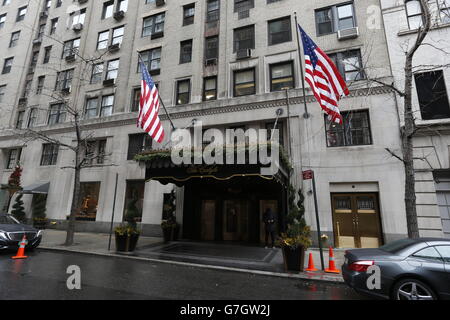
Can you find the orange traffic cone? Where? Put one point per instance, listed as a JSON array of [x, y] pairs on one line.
[[331, 265], [21, 251], [311, 263]]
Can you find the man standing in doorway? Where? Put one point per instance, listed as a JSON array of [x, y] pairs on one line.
[[269, 222]]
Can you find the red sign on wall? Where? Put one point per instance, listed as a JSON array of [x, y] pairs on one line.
[[308, 174]]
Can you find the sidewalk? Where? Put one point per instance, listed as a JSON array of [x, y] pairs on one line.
[[231, 257]]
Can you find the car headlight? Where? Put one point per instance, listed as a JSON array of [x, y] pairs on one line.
[[3, 235]]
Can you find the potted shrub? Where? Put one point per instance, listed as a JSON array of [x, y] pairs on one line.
[[297, 238], [127, 235]]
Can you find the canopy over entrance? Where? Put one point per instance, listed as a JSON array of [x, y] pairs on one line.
[[37, 188]]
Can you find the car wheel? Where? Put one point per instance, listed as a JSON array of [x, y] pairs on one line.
[[412, 289]]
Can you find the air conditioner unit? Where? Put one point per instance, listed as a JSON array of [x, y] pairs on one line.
[[243, 54], [160, 3], [77, 27], [109, 82], [65, 91], [211, 62], [23, 101], [70, 58], [155, 72], [114, 47], [37, 41], [350, 33], [157, 35], [43, 15], [119, 15]]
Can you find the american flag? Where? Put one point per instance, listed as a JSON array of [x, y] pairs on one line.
[[324, 78], [148, 118]]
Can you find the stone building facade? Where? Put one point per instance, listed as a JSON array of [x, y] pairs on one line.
[[228, 64]]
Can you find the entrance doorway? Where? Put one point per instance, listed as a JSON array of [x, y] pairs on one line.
[[356, 220]]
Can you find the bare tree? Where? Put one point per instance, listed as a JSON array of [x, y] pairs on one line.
[[81, 143]]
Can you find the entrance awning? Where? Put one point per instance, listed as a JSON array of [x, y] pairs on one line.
[[37, 188], [160, 167]]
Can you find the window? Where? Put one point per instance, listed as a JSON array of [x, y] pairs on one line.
[[53, 25], [188, 14], [47, 52], [2, 20], [414, 14], [244, 38], [57, 114], [21, 13], [32, 118], [88, 205], [444, 10], [185, 51], [27, 89], [71, 48], [20, 117], [102, 40], [211, 48], [34, 61], [137, 143], [58, 3], [64, 80], [14, 39], [41, 31], [349, 64], [112, 69], [107, 106], [13, 158], [282, 76], [95, 152], [244, 82], [135, 105], [117, 35], [7, 65], [97, 72], [213, 10], [108, 10], [47, 5], [91, 108], [444, 251], [432, 94], [332, 19], [153, 25], [49, 154], [152, 59], [2, 92], [354, 131], [280, 31], [429, 253], [122, 5], [183, 91], [210, 88], [40, 84], [78, 17]]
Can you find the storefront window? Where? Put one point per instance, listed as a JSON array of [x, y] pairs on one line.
[[88, 201], [134, 199]]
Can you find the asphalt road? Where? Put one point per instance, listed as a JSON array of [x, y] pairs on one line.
[[44, 274]]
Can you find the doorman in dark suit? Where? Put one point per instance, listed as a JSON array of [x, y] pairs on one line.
[[269, 220]]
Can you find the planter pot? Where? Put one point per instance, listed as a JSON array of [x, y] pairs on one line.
[[167, 234], [126, 243], [294, 259]]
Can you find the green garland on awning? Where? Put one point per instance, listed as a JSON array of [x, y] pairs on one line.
[[162, 154]]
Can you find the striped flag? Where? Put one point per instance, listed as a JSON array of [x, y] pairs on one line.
[[324, 78], [148, 119]]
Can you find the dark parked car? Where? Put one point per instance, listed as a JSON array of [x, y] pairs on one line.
[[12, 231], [411, 269]]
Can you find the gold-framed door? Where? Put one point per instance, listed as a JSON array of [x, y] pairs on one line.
[[356, 219]]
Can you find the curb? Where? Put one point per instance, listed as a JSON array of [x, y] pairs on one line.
[[302, 276]]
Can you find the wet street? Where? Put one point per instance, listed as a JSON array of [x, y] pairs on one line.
[[43, 276]]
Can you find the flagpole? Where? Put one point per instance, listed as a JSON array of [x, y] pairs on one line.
[[160, 100], [302, 74]]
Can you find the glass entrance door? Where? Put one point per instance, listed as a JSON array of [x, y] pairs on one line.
[[356, 220]]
